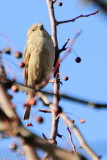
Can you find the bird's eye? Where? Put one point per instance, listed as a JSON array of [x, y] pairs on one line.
[[33, 30]]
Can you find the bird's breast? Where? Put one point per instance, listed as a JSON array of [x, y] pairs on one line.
[[41, 60]]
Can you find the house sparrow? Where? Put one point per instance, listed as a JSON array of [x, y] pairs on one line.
[[39, 56]]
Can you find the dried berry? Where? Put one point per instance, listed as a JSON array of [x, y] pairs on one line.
[[14, 88], [21, 64], [82, 120], [13, 146], [7, 50], [18, 54], [60, 4], [65, 78], [78, 59], [29, 124], [39, 119]]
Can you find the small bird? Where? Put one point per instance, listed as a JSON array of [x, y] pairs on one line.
[[39, 57]]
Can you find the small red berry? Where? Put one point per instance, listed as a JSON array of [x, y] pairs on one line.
[[78, 59], [14, 88], [21, 64], [18, 54], [65, 78], [60, 4], [7, 50], [82, 120], [39, 119], [13, 146], [29, 124]]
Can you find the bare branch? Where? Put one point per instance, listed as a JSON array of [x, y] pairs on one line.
[[70, 138], [91, 104], [75, 129], [31, 141], [56, 85], [53, 23], [30, 152], [79, 136], [72, 20], [54, 151], [11, 121]]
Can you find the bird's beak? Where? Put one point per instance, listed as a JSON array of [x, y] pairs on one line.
[[41, 26]]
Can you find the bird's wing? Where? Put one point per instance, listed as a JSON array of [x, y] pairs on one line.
[[27, 55]]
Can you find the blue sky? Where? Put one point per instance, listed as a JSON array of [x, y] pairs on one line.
[[87, 80]]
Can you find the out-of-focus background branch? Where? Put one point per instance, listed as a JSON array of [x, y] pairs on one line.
[[102, 4]]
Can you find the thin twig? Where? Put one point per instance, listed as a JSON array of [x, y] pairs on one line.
[[79, 136], [72, 20], [64, 46], [70, 138]]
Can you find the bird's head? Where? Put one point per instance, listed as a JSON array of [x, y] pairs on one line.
[[38, 27]]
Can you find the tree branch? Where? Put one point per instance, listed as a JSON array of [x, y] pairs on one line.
[[30, 152], [79, 136], [74, 128], [31, 141], [91, 104], [56, 85], [72, 20], [53, 23]]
